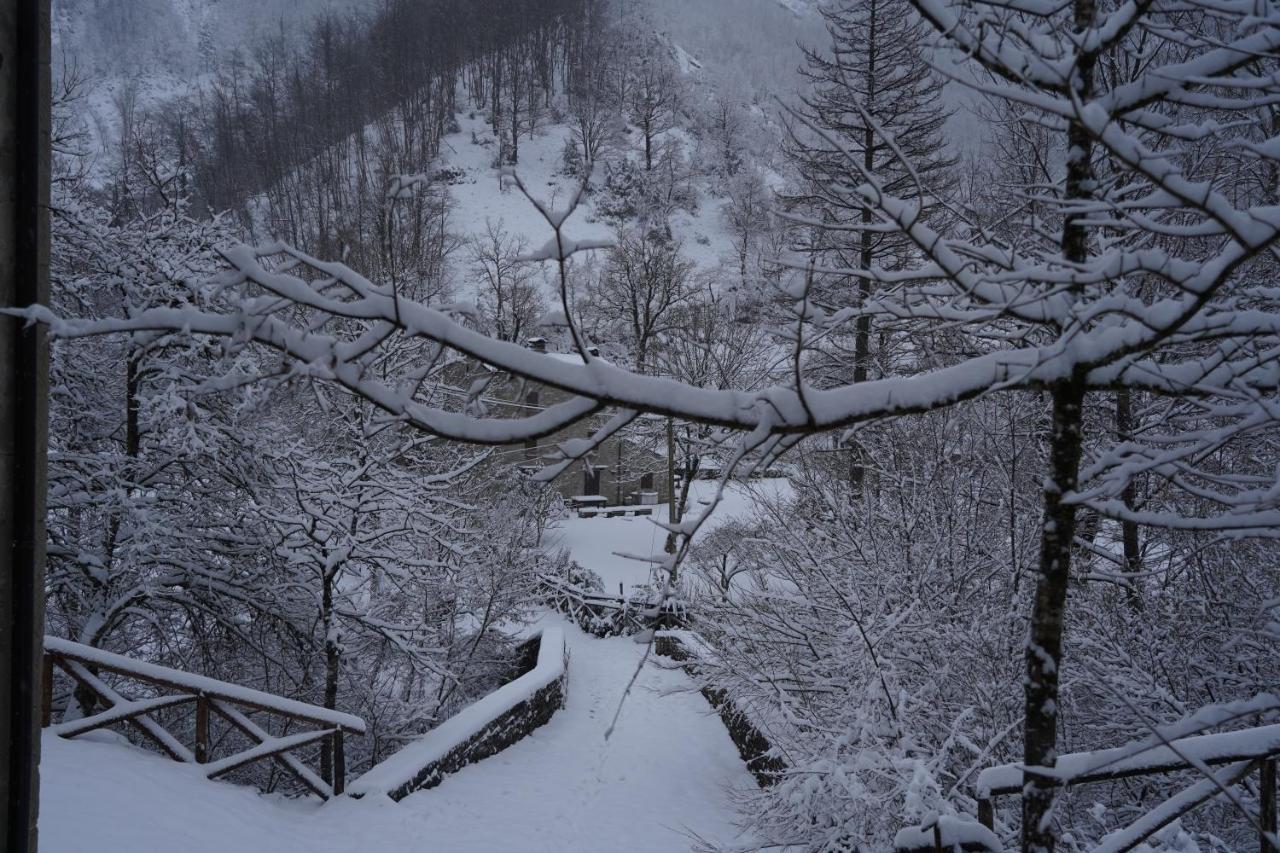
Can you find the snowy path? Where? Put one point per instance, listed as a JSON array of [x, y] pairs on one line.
[[667, 773], [596, 542], [668, 770]]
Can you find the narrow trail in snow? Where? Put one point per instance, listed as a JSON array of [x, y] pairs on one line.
[[668, 772], [668, 767]]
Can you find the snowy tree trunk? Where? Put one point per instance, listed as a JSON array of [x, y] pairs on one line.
[[862, 335], [332, 660], [1129, 529], [862, 329], [515, 113], [1044, 648]]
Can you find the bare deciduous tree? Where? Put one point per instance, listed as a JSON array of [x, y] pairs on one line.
[[509, 293], [643, 283]]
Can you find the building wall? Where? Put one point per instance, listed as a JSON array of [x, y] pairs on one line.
[[643, 468]]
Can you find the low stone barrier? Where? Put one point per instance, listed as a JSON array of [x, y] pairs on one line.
[[753, 746], [480, 730]]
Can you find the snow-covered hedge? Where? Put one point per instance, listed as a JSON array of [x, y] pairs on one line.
[[478, 731], [610, 615]]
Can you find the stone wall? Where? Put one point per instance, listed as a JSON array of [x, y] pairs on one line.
[[753, 746], [537, 689]]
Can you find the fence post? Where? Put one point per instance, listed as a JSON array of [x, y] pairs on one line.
[[986, 813], [339, 764], [1267, 805], [46, 691], [202, 729]]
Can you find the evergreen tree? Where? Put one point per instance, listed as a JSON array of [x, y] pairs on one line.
[[873, 86]]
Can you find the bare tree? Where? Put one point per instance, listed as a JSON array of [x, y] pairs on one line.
[[643, 284], [653, 98], [725, 132], [873, 96], [748, 216], [509, 292]]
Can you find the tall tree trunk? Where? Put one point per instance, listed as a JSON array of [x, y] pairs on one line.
[[332, 661], [515, 117], [133, 406], [648, 144], [866, 255], [1129, 529], [673, 505], [1048, 617], [1044, 647]]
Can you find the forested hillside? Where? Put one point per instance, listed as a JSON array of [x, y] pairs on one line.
[[945, 336]]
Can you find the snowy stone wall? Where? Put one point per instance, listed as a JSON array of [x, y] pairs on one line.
[[753, 746], [481, 729]]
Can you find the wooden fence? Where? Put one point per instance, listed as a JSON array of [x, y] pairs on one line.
[[607, 615], [1237, 753], [170, 688]]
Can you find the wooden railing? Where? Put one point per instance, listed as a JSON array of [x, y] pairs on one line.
[[84, 665], [1237, 753], [947, 834], [607, 615], [481, 729]]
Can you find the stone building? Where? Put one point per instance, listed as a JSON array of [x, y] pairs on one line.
[[629, 467]]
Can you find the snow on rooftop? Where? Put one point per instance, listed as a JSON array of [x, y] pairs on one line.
[[572, 357], [954, 831]]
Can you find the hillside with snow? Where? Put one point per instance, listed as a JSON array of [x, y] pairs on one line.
[[747, 47], [177, 39], [575, 426], [481, 196]]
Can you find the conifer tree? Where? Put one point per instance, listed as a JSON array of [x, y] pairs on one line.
[[872, 92]]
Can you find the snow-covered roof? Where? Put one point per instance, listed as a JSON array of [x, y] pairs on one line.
[[572, 357]]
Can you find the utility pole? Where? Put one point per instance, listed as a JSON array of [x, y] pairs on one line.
[[673, 513], [619, 477], [24, 366]]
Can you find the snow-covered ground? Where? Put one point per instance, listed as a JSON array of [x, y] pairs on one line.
[[479, 197], [667, 772], [596, 543]]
